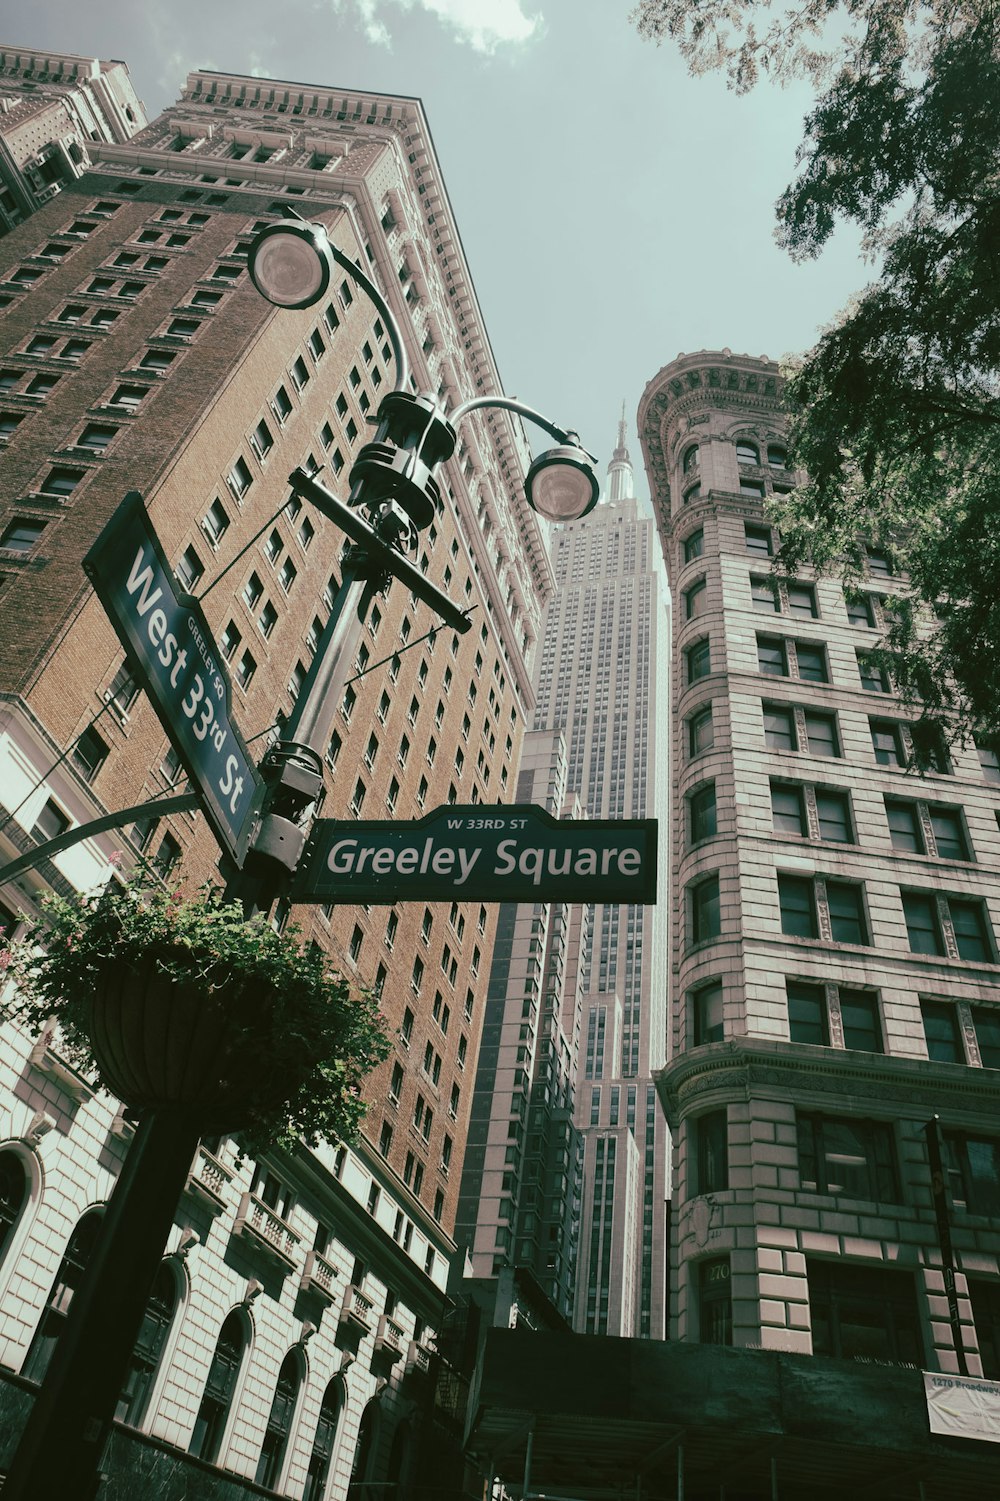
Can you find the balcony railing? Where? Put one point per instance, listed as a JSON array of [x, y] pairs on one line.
[[259, 1224]]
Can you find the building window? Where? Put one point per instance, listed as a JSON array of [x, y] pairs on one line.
[[50, 823], [747, 452], [707, 1013], [764, 595], [801, 600], [771, 657], [21, 534], [230, 640], [931, 918], [324, 1442], [807, 1014], [67, 1280], [715, 1304], [838, 1155], [61, 482], [821, 733], [89, 754], [847, 912], [879, 562], [973, 1167], [941, 1032], [696, 599], [874, 678], [887, 742], [300, 373], [810, 660], [701, 733], [833, 815], [705, 909], [788, 809], [711, 1134], [694, 545], [167, 857], [96, 436], [261, 440], [779, 727], [861, 1312], [859, 1019], [215, 522], [279, 1422], [699, 660], [702, 813], [797, 901], [281, 405], [245, 669], [148, 1349], [690, 460], [759, 540], [220, 1388]]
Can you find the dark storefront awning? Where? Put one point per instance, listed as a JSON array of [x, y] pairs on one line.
[[592, 1419]]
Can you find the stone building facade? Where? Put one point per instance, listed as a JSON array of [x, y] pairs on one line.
[[52, 107], [836, 917], [298, 1303]]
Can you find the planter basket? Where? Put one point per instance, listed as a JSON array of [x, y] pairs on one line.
[[162, 1046]]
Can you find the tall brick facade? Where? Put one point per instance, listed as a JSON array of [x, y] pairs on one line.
[[138, 356], [836, 923]]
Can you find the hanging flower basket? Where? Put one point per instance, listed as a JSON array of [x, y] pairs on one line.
[[184, 1008]]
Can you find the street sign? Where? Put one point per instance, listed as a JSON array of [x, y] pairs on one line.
[[480, 852], [170, 647]]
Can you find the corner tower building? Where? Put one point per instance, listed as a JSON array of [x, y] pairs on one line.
[[835, 931]]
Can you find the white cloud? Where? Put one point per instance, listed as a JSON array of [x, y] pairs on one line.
[[485, 25]]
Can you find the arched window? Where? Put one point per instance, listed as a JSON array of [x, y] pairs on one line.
[[747, 452], [400, 1455], [777, 456], [279, 1421], [223, 1373], [13, 1195], [325, 1441], [367, 1430], [148, 1347], [690, 459], [67, 1280]]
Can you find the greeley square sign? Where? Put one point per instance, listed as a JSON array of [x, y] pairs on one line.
[[480, 852]]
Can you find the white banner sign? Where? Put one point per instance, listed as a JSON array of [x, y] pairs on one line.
[[963, 1407]]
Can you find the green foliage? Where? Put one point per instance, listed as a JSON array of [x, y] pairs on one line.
[[314, 1032], [896, 410]]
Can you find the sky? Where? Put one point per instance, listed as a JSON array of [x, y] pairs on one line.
[[615, 212]]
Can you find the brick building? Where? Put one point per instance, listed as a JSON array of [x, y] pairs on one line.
[[52, 107], [836, 921], [295, 1311]]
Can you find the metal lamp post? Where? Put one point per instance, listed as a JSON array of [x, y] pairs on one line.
[[393, 496]]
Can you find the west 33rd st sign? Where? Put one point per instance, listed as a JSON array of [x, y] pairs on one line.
[[480, 852]]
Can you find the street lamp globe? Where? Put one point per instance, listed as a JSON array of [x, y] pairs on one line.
[[291, 264], [561, 484]]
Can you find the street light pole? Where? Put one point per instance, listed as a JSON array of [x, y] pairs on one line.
[[393, 496]]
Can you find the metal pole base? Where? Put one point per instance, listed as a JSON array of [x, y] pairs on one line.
[[63, 1440]]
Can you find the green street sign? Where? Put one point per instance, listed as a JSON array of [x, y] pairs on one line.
[[171, 649], [480, 852]]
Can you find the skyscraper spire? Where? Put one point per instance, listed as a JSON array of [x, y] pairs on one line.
[[621, 484]]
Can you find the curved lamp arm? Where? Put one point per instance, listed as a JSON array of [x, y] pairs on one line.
[[509, 404], [384, 311], [298, 233]]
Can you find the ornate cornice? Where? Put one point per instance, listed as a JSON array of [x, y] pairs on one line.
[[816, 1075]]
